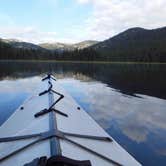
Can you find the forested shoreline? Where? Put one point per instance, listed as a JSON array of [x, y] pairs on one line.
[[7, 52]]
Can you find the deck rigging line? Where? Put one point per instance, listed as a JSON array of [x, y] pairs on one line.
[[49, 76], [52, 104]]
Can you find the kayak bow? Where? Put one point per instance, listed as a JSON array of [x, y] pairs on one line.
[[51, 124]]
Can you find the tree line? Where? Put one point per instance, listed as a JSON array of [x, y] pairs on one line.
[[7, 52]]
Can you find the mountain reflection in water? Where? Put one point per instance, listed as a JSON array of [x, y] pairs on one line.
[[130, 79], [127, 100]]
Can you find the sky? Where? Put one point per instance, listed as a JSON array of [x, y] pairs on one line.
[[71, 21]]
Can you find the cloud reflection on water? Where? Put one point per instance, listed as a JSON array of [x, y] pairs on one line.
[[26, 85], [135, 116]]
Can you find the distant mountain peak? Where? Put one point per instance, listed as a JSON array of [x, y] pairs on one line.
[[136, 29], [21, 44], [11, 40], [68, 47]]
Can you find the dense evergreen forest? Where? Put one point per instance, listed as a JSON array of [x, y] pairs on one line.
[[8, 52]]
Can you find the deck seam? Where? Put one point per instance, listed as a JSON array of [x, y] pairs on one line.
[[55, 148]]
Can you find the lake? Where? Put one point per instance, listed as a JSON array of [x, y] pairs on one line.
[[127, 100]]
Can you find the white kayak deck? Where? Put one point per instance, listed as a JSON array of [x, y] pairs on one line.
[[23, 122]]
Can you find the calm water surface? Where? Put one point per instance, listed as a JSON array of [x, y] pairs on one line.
[[127, 100]]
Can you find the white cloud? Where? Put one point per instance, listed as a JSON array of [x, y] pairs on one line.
[[9, 29], [28, 34], [113, 16], [83, 1]]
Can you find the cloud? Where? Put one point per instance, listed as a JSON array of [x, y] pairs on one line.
[[113, 16], [83, 1], [10, 30], [28, 34]]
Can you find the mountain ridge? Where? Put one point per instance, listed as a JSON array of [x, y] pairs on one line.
[[57, 46], [68, 47], [21, 44], [134, 43]]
